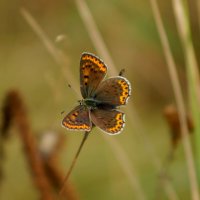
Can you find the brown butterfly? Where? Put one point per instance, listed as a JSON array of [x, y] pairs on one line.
[[101, 98]]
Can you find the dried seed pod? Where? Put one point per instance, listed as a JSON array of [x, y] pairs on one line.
[[171, 115]]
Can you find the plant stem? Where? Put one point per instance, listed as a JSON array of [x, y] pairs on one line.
[[74, 162], [183, 24], [179, 101]]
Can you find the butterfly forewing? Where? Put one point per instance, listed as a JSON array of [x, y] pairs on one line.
[[92, 72], [78, 119], [110, 121], [114, 91]]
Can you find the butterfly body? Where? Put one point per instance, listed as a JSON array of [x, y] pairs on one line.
[[91, 102], [101, 98]]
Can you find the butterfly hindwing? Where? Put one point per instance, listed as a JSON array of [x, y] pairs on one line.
[[114, 91], [78, 119], [92, 72], [110, 121]]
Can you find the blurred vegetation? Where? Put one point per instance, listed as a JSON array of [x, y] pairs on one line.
[[129, 31]]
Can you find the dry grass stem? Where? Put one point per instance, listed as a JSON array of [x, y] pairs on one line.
[[179, 101], [51, 144], [73, 162], [60, 58], [19, 116], [167, 185], [169, 190], [56, 176], [184, 32], [126, 166], [95, 35]]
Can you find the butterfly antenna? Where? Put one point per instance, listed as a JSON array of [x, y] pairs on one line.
[[74, 91], [122, 72], [80, 103], [62, 112], [73, 162]]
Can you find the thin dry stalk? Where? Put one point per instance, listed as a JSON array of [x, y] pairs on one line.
[[126, 166], [179, 101], [172, 118], [183, 24], [19, 115], [163, 176], [95, 34], [184, 32], [132, 114], [50, 154], [167, 185], [73, 162], [169, 190], [56, 177], [58, 56]]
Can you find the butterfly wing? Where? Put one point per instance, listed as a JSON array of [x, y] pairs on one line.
[[92, 72], [110, 121], [114, 91], [78, 119]]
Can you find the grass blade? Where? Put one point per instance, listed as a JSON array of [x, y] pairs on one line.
[[58, 56], [179, 101], [181, 14]]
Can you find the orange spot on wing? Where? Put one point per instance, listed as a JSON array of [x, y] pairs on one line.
[[101, 66], [119, 124], [125, 91], [76, 127]]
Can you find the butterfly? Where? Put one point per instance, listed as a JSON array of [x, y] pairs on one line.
[[101, 98]]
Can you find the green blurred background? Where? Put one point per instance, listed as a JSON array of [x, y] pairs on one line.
[[129, 31]]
